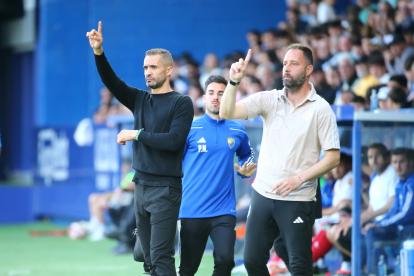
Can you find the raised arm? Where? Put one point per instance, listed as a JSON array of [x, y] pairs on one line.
[[229, 109], [124, 93]]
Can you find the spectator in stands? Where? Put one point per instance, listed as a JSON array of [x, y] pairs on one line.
[[254, 86], [321, 86], [106, 107], [366, 45], [333, 78], [383, 182], [210, 67], [322, 50], [264, 73], [396, 98], [366, 7], [100, 202], [397, 81], [340, 235], [408, 34], [342, 194], [346, 97], [254, 40], [359, 103], [295, 24], [326, 11], [195, 92], [365, 79], [382, 98], [347, 72], [377, 67], [269, 40], [409, 73], [357, 52], [343, 189], [123, 219], [398, 223], [327, 190], [400, 52]]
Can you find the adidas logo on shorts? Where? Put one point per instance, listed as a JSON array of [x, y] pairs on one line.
[[298, 220]]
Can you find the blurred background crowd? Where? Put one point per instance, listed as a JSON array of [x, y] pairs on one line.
[[368, 49]]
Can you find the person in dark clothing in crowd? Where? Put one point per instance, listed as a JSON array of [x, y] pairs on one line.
[[321, 86], [162, 121]]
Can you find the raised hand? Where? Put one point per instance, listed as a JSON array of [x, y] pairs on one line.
[[246, 170], [96, 39], [238, 69]]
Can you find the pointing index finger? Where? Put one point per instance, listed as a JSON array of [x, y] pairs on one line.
[[100, 27], [248, 56]]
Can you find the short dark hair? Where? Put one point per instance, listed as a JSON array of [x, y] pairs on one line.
[[345, 158], [381, 148], [397, 95], [358, 99], [166, 56], [215, 79], [400, 79], [408, 63], [307, 52], [376, 58], [402, 151]]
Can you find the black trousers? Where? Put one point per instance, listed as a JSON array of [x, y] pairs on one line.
[[279, 244], [194, 233], [268, 218], [157, 209]]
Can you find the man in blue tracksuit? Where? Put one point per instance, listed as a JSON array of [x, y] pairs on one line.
[[398, 223], [208, 205]]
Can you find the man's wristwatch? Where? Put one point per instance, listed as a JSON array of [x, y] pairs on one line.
[[233, 83]]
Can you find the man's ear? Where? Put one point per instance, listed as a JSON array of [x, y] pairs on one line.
[[169, 70], [309, 70]]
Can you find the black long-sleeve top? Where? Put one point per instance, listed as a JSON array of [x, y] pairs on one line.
[[166, 119]]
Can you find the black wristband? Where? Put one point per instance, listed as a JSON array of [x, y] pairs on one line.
[[233, 83]]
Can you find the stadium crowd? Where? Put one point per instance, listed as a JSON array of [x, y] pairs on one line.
[[371, 48]]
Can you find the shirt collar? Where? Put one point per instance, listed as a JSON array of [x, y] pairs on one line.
[[213, 121], [311, 95]]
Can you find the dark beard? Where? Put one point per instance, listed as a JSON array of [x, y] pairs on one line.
[[158, 82], [294, 85]]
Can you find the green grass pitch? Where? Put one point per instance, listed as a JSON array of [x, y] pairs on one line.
[[21, 254]]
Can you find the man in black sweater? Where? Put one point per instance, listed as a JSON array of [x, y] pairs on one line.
[[162, 121]]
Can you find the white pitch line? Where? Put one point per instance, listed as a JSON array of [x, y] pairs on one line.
[[102, 268], [19, 272]]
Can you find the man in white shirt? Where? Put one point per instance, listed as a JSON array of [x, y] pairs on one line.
[[383, 183], [297, 125], [342, 191]]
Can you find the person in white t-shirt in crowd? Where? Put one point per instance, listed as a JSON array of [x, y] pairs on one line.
[[342, 196], [342, 192], [383, 183]]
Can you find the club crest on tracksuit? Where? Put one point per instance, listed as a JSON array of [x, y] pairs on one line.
[[231, 142]]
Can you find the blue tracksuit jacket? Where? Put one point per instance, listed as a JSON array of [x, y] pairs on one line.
[[402, 209], [208, 182]]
